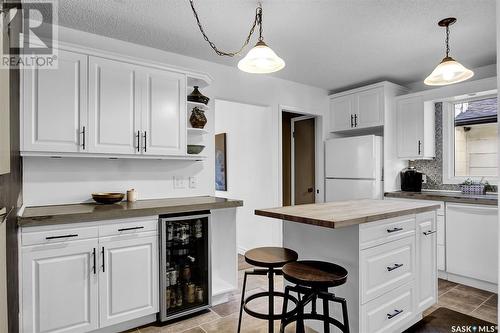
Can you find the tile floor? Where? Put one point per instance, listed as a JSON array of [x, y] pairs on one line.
[[223, 318]]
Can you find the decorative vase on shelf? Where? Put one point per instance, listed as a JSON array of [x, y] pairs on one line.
[[197, 118], [197, 97]]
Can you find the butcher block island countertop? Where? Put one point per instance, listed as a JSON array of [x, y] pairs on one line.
[[346, 213]]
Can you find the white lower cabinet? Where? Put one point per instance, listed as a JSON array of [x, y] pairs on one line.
[[74, 285], [59, 288], [128, 279], [426, 260]]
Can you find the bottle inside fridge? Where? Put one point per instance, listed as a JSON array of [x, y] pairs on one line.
[[185, 273]]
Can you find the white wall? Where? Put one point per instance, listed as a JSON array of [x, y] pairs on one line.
[[251, 169], [68, 180]]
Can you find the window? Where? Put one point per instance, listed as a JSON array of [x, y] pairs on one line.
[[470, 139]]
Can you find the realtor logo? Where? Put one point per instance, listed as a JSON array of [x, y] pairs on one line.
[[31, 30]]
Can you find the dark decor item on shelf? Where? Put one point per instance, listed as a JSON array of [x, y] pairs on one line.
[[195, 149], [108, 198], [197, 97], [198, 119]]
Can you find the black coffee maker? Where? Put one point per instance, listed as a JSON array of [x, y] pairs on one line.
[[411, 180]]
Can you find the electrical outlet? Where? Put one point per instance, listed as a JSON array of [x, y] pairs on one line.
[[179, 182], [424, 179], [192, 182]]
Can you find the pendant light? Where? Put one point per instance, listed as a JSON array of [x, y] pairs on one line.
[[261, 59], [449, 71]]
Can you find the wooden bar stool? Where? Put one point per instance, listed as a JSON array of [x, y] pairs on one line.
[[271, 259], [312, 280]]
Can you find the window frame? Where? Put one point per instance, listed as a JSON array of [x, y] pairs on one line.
[[448, 110]]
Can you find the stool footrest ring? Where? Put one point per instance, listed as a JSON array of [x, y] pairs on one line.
[[268, 316]]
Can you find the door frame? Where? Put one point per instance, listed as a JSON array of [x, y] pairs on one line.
[[292, 156]]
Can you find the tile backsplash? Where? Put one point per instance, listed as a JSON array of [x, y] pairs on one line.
[[433, 169]]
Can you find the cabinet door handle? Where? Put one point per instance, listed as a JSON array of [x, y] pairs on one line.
[[429, 232], [94, 267], [145, 141], [352, 121], [84, 145], [103, 262], [396, 266], [132, 228], [395, 229], [355, 120], [138, 140], [63, 236], [392, 315], [419, 147]]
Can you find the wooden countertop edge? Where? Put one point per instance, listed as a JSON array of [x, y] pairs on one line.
[[118, 214], [445, 198], [344, 223]]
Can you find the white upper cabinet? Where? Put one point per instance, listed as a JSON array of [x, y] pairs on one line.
[[341, 113], [363, 107], [113, 106], [128, 281], [415, 128], [54, 106], [60, 288], [163, 112], [370, 108]]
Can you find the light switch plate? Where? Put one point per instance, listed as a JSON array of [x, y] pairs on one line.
[[179, 182], [424, 179], [192, 182]]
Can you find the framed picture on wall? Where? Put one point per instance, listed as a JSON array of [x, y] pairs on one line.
[[220, 162]]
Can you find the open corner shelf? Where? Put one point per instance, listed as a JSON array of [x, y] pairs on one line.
[[199, 105], [199, 131]]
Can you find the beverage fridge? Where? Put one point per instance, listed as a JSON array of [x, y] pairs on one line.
[[185, 278]]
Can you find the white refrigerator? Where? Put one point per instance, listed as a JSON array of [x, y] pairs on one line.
[[353, 168]]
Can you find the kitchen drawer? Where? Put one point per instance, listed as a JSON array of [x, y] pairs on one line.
[[386, 267], [441, 255], [375, 233], [390, 312], [58, 235], [129, 226]]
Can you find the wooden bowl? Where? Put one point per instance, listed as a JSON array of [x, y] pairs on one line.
[[108, 198]]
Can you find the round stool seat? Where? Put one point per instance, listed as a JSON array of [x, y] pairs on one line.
[[316, 274], [270, 257]]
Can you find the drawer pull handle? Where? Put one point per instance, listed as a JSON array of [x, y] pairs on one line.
[[396, 266], [63, 236], [132, 228], [430, 232], [392, 315], [103, 261], [394, 230], [94, 267]]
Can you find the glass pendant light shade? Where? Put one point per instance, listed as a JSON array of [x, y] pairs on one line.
[[261, 60], [448, 71]]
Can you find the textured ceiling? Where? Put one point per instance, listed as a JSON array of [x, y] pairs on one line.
[[325, 43]]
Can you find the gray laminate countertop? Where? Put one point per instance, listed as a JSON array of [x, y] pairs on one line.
[[73, 213], [448, 196], [346, 213]]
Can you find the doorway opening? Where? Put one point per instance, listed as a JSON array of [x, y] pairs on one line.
[[299, 158]]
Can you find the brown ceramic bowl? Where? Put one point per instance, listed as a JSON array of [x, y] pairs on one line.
[[108, 198]]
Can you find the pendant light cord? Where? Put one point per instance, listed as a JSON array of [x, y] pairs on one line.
[[447, 41], [257, 21]]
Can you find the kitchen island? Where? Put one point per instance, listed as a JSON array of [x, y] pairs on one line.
[[388, 248]]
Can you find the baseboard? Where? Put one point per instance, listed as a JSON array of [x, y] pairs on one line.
[[443, 275], [128, 324], [484, 285], [219, 299], [241, 250]]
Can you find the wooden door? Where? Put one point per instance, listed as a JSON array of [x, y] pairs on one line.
[[113, 107], [341, 113], [370, 108], [163, 113], [426, 260], [59, 288], [55, 105], [303, 161], [128, 278]]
